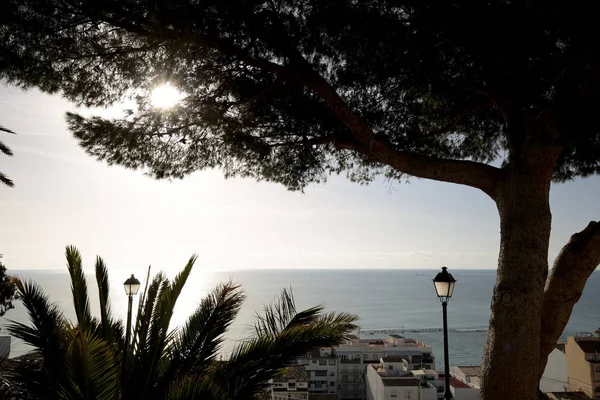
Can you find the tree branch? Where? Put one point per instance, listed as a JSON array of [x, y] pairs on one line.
[[477, 175], [572, 267]]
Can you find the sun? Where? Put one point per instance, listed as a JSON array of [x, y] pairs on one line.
[[165, 96]]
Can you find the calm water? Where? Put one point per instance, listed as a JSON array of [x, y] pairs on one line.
[[383, 299]]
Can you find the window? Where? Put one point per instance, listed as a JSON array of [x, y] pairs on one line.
[[332, 373], [314, 361], [390, 366], [332, 383], [322, 362], [320, 373], [394, 393], [597, 369], [331, 362], [292, 385]]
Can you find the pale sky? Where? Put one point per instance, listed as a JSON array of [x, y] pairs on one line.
[[63, 196]]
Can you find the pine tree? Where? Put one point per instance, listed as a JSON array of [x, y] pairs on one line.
[[291, 91]]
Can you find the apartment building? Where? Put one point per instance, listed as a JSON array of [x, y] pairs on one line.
[[357, 354], [321, 368], [383, 383], [433, 379], [583, 365], [290, 384]]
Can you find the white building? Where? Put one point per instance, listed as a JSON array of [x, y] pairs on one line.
[[357, 354], [397, 386], [292, 383], [321, 368], [433, 378], [555, 378], [468, 374], [463, 391]]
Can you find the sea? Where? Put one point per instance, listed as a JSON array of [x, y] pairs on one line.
[[386, 301]]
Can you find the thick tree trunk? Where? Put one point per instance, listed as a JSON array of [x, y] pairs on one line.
[[512, 353]]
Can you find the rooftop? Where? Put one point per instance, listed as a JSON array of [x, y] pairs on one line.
[[400, 381], [425, 371], [391, 341], [391, 372], [294, 372], [316, 353], [455, 383], [470, 370]]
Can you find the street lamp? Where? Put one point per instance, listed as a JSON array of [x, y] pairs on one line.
[[444, 286], [132, 286]]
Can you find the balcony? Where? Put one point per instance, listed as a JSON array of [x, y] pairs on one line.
[[350, 361]]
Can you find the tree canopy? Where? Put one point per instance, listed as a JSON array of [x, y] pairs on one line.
[[262, 79]]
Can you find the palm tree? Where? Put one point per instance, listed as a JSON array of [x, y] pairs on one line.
[[84, 359], [7, 151]]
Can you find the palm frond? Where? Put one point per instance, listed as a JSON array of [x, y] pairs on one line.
[[102, 281], [81, 300], [46, 335], [199, 340], [196, 387], [145, 309], [281, 313], [26, 377], [159, 338], [260, 358], [93, 370], [139, 352]]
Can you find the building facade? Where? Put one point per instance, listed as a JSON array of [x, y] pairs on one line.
[[357, 354], [321, 368], [389, 384], [583, 365], [292, 383]]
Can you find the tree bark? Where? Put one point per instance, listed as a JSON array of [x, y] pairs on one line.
[[572, 268], [511, 356]]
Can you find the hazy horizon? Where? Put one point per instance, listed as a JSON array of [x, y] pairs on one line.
[[63, 196]]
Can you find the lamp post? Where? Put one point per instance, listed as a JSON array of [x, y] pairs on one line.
[[444, 286], [132, 285]]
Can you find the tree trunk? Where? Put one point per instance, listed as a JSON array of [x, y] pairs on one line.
[[512, 353]]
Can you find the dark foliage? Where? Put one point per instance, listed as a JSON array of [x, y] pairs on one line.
[[8, 294], [4, 149], [83, 359], [428, 77]]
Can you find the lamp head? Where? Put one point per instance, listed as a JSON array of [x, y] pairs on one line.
[[132, 286], [444, 285]]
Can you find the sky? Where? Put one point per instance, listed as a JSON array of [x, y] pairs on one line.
[[63, 196]]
